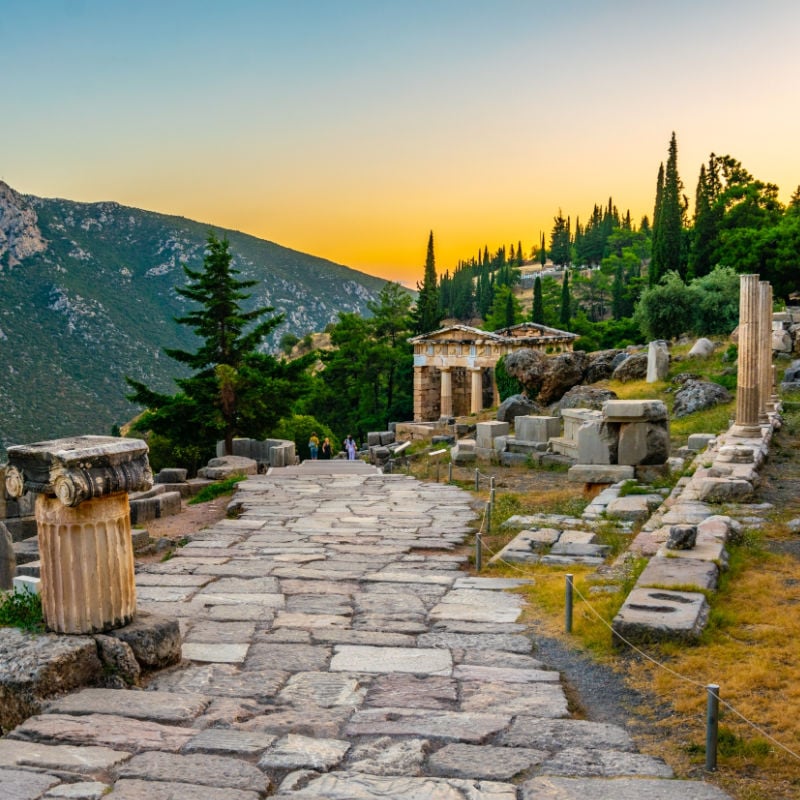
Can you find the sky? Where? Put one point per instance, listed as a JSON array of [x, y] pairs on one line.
[[350, 129]]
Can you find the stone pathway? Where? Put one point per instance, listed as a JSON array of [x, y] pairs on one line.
[[334, 650]]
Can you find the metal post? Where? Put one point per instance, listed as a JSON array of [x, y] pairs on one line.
[[477, 479], [712, 723], [449, 471], [568, 604], [488, 517], [478, 552], [491, 490]]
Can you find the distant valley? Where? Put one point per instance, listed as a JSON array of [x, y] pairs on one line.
[[87, 297]]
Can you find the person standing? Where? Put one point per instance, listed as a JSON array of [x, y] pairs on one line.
[[326, 451], [313, 446], [350, 447]]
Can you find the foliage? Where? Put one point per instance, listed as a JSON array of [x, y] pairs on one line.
[[288, 341], [218, 489], [560, 247], [235, 388], [21, 610], [707, 306], [668, 221], [565, 313], [507, 385], [537, 309], [604, 335], [367, 379], [505, 311], [298, 429]]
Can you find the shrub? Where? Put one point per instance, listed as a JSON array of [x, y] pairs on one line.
[[22, 610], [299, 427]]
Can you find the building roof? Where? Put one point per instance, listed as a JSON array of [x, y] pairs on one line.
[[525, 331]]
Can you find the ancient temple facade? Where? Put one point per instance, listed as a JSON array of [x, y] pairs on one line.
[[454, 367]]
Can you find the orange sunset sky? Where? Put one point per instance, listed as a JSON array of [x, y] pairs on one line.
[[349, 129]]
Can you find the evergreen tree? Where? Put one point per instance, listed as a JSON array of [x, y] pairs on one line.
[[426, 315], [234, 389], [542, 253], [560, 240], [537, 311], [566, 301], [668, 251]]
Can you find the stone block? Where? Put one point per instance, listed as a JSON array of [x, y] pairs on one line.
[[657, 361], [514, 445], [724, 490], [164, 504], [643, 443], [679, 573], [536, 428], [387, 438], [373, 439], [228, 466], [698, 442], [487, 432], [653, 615], [597, 443], [575, 417], [8, 559], [155, 640], [171, 475], [634, 411], [649, 473], [21, 528], [682, 537], [781, 342], [633, 507], [599, 473]]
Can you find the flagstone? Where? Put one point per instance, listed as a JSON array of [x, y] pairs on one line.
[[137, 789], [224, 741], [296, 752], [227, 680], [354, 658], [322, 688], [427, 723], [59, 757], [218, 653], [154, 706]]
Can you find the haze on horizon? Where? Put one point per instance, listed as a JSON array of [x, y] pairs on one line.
[[349, 130]]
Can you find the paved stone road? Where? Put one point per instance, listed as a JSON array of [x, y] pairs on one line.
[[334, 650]]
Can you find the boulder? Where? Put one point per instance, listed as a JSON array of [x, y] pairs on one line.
[[563, 372], [586, 397], [792, 373], [702, 348], [699, 395], [643, 443], [684, 377], [633, 368], [602, 365], [154, 640], [682, 537], [171, 475], [782, 342], [518, 405], [528, 367]]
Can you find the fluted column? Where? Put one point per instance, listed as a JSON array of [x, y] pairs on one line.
[[747, 392], [476, 391], [765, 405], [84, 527], [446, 405]]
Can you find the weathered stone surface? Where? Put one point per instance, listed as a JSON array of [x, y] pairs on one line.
[[650, 615], [204, 770], [20, 784], [310, 720], [104, 730], [555, 788], [323, 689], [224, 741], [431, 724], [37, 666], [697, 396], [136, 789], [352, 658], [154, 706], [633, 507], [633, 368], [657, 361], [681, 537], [8, 561], [224, 680], [118, 658], [477, 641], [292, 657], [408, 691], [725, 490], [387, 756], [228, 466], [484, 761], [679, 573], [85, 790], [643, 443], [702, 348], [544, 700], [59, 757], [556, 734], [155, 640], [299, 752], [564, 371], [601, 366], [599, 473], [583, 762], [530, 428], [597, 443], [516, 405], [228, 653], [698, 442]]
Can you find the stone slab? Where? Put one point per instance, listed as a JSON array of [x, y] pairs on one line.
[[679, 573], [59, 757], [420, 661], [556, 788], [556, 734], [155, 706], [224, 741], [303, 752], [649, 615], [484, 761], [85, 790], [432, 724], [599, 473], [204, 770], [136, 789], [20, 784], [584, 762], [216, 653]]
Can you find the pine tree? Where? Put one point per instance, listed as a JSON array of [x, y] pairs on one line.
[[426, 314], [560, 240], [235, 388], [566, 301], [537, 312]]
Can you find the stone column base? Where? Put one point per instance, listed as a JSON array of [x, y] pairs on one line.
[[87, 564]]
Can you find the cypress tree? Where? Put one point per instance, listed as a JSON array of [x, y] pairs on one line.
[[426, 314], [542, 253], [668, 225], [566, 300], [537, 312], [653, 277]]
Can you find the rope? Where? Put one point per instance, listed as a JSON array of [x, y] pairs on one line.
[[654, 661]]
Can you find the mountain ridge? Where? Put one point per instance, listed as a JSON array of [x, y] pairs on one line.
[[87, 296]]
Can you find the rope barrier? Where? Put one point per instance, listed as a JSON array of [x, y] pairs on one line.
[[648, 657]]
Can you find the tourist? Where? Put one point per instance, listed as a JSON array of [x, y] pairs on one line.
[[313, 446], [350, 446], [326, 451]]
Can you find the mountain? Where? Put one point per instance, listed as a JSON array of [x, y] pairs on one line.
[[87, 296]]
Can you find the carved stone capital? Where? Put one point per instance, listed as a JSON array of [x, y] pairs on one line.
[[79, 468]]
